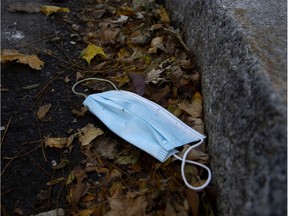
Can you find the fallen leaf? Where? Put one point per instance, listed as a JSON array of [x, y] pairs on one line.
[[106, 147], [60, 142], [160, 95], [138, 82], [196, 123], [154, 76], [86, 212], [113, 175], [82, 112], [48, 9], [91, 51], [138, 3], [66, 79], [195, 107], [43, 110], [30, 7], [89, 132], [194, 201], [55, 212], [98, 13], [120, 20], [109, 34], [140, 39], [131, 204], [195, 155], [163, 15], [155, 44], [128, 156], [32, 60], [169, 210], [80, 188]]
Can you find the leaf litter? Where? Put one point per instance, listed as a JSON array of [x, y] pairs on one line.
[[139, 50]]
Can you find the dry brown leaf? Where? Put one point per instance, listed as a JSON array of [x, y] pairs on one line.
[[109, 34], [82, 112], [85, 212], [140, 39], [196, 123], [194, 202], [169, 210], [60, 142], [131, 204], [56, 142], [195, 155], [195, 107], [32, 60], [80, 188], [155, 44], [89, 132], [163, 15], [106, 147], [113, 175], [43, 110], [154, 76]]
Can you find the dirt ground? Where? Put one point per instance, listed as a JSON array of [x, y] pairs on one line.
[[26, 165]]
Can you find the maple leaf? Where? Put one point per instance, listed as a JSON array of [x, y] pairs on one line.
[[32, 60], [91, 51], [48, 9]]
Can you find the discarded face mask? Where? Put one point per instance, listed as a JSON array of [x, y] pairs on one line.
[[144, 124]]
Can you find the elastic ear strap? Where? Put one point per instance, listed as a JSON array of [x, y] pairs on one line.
[[87, 79], [184, 161]]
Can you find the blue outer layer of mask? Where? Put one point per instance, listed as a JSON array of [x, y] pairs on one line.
[[141, 122]]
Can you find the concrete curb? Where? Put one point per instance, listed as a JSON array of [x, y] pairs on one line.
[[240, 49]]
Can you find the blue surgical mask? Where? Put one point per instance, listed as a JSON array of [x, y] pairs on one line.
[[144, 124]]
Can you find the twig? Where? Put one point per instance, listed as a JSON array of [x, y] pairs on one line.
[[42, 143], [38, 96], [17, 156], [36, 163], [5, 131]]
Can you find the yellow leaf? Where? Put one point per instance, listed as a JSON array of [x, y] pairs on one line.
[[91, 51], [32, 60], [47, 9]]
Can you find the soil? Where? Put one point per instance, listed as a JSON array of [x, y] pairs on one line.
[[25, 169], [26, 165]]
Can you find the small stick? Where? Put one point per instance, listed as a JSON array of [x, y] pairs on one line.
[[6, 129]]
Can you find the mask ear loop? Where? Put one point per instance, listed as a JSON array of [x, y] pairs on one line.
[[87, 79], [184, 161]]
